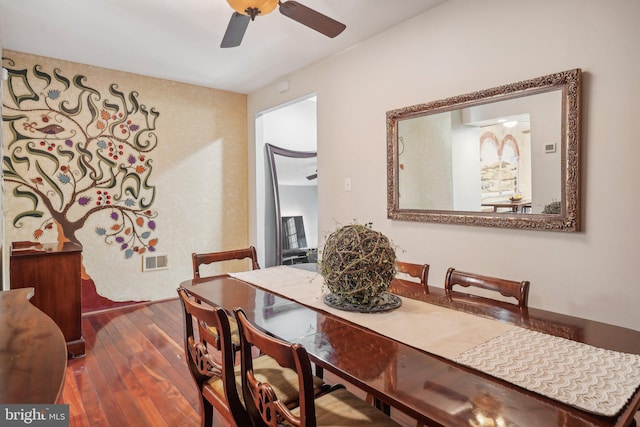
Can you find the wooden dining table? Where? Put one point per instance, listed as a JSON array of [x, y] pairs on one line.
[[515, 205], [427, 387], [33, 353]]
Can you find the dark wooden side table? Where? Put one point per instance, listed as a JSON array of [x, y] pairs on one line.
[[54, 271]]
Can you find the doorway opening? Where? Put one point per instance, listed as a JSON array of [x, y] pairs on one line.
[[290, 127]]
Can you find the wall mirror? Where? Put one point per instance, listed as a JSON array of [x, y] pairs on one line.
[[501, 157], [295, 189]]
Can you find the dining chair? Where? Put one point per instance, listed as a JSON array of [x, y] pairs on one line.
[[418, 271], [199, 259], [508, 288], [213, 372], [333, 407], [214, 369]]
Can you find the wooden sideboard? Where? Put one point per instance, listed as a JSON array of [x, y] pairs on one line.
[[54, 271]]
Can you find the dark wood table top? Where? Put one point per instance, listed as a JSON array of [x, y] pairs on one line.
[[514, 205], [33, 353], [427, 387]]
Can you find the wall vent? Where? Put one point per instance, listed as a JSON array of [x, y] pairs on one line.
[[155, 262]]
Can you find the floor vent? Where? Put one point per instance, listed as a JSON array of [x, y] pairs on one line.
[[155, 262]]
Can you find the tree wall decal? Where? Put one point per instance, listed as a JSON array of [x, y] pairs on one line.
[[74, 153]]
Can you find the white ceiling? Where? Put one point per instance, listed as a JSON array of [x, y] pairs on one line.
[[179, 39]]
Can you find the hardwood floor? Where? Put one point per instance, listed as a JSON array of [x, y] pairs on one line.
[[134, 372]]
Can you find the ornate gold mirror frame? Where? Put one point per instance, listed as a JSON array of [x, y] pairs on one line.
[[427, 179]]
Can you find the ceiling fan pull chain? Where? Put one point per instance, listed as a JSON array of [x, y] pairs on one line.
[[252, 12]]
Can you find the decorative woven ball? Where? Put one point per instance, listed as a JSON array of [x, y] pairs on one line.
[[358, 263]]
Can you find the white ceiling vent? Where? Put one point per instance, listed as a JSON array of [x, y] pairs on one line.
[[155, 262]]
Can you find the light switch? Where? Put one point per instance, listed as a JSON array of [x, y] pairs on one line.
[[347, 184]]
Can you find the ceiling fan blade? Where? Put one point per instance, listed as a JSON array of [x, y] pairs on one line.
[[311, 18], [235, 30]]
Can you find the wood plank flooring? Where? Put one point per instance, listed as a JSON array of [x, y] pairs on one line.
[[135, 374]]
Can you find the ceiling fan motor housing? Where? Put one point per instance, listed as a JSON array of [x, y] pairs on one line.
[[253, 8]]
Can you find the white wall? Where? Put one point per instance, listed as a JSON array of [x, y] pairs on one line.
[[302, 200], [466, 169], [424, 175], [292, 126], [462, 46]]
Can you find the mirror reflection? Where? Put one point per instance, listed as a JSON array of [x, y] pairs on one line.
[[504, 157], [486, 158]]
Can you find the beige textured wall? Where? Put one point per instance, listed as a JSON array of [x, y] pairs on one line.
[[199, 171], [443, 53]]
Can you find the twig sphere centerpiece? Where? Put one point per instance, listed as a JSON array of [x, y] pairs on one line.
[[358, 264]]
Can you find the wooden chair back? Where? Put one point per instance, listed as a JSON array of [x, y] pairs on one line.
[[210, 257], [508, 288], [204, 366], [262, 404], [419, 271]]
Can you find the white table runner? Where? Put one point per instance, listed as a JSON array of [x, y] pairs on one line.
[[583, 376]]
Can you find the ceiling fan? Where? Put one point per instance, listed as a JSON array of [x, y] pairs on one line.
[[247, 10]]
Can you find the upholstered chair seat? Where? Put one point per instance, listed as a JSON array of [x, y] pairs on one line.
[[235, 337], [283, 380], [340, 408]]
